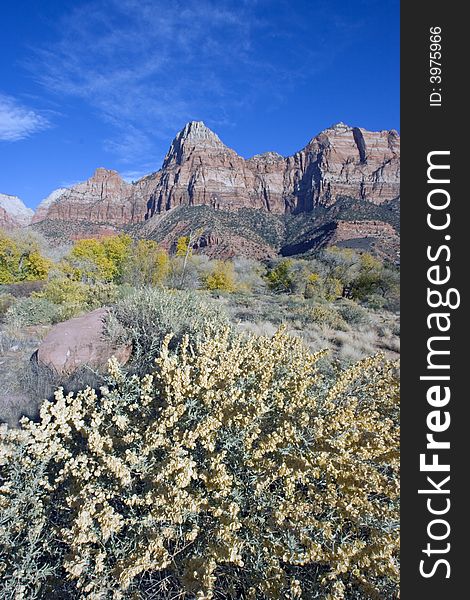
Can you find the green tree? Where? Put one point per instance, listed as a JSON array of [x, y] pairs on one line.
[[280, 278]]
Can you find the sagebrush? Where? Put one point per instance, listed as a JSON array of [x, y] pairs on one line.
[[232, 470]]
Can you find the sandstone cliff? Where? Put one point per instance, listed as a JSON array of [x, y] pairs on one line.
[[104, 198], [341, 161]]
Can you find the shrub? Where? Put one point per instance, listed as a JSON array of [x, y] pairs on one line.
[[324, 315], [74, 297], [313, 286], [376, 279], [340, 263], [69, 296], [6, 300], [232, 471], [221, 277], [352, 313], [65, 291], [146, 316], [147, 264], [29, 558], [35, 266], [333, 288], [102, 294], [280, 277], [32, 311], [375, 302], [249, 275]]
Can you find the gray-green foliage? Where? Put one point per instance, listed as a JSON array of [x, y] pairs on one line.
[[145, 317], [6, 300], [352, 313], [32, 311], [26, 537]]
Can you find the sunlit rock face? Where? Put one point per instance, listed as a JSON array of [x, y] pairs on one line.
[[104, 198], [13, 212], [199, 169]]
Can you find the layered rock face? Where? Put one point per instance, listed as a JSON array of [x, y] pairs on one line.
[[13, 212], [344, 161], [200, 170], [44, 206], [104, 198], [340, 161]]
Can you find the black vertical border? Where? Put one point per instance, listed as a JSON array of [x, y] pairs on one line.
[[425, 129]]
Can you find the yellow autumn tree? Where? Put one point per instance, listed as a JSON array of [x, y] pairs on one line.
[[21, 260], [221, 277], [146, 264], [182, 245], [98, 259]]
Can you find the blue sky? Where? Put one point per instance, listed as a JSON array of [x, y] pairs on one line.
[[109, 82]]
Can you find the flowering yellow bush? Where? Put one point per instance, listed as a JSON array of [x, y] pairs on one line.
[[146, 264], [232, 471]]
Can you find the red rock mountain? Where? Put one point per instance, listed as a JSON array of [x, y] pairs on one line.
[[104, 198], [200, 170]]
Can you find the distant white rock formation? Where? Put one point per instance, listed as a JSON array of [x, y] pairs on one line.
[[13, 211]]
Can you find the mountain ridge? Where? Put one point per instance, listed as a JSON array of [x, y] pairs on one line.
[[200, 170]]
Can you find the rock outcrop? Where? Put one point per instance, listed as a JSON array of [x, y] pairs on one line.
[[13, 212], [78, 342], [344, 161], [45, 205], [199, 170]]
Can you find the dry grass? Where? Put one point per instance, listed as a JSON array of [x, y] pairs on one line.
[[369, 332]]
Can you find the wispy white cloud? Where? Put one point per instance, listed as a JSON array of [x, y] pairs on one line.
[[18, 122], [148, 66]]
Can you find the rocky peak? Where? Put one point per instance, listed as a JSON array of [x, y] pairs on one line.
[[199, 170], [195, 136], [103, 198], [340, 126], [104, 184], [14, 211], [198, 131], [53, 196], [102, 174], [44, 206]]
